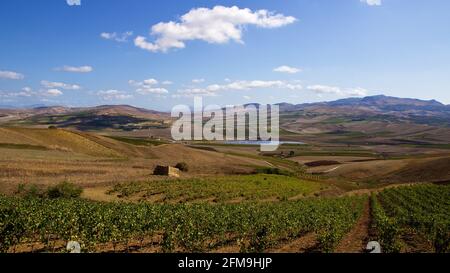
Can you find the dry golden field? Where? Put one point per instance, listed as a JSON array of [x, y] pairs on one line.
[[45, 156]]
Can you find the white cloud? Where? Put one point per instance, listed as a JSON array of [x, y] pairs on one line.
[[26, 92], [53, 92], [48, 84], [10, 75], [198, 80], [256, 84], [152, 90], [148, 82], [73, 2], [76, 69], [372, 2], [27, 89], [324, 89], [118, 37], [113, 95], [191, 92], [356, 92], [167, 83], [216, 26], [147, 87], [213, 89], [247, 97], [287, 69]]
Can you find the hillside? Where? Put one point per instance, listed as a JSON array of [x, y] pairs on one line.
[[47, 156], [376, 120], [380, 107], [115, 117], [46, 139]]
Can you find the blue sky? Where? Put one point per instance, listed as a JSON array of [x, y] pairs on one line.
[[95, 52]]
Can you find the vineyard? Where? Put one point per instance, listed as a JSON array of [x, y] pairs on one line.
[[422, 210], [219, 189], [252, 227], [396, 214]]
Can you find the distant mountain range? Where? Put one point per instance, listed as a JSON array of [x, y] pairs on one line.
[[369, 115], [370, 120], [379, 102], [389, 108], [97, 110]]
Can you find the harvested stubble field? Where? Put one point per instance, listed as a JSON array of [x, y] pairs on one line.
[[96, 161]]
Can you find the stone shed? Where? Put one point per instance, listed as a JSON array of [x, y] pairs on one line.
[[166, 171]]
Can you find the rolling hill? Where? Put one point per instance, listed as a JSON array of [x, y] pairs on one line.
[[375, 120], [117, 117], [48, 156]]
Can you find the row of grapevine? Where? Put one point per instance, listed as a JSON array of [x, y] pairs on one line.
[[387, 228], [424, 208], [193, 228]]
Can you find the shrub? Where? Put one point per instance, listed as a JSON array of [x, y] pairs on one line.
[[276, 171], [64, 190], [182, 166], [52, 127], [29, 191]]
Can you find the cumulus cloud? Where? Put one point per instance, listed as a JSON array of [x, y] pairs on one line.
[[113, 95], [213, 89], [198, 80], [10, 75], [216, 26], [325, 89], [256, 84], [73, 2], [53, 92], [118, 37], [152, 90], [76, 69], [26, 92], [27, 89], [51, 85], [372, 2], [287, 69], [148, 86], [167, 83], [147, 82], [192, 92]]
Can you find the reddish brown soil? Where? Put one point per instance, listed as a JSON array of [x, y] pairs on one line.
[[357, 238], [302, 244]]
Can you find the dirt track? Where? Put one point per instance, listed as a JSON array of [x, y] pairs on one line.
[[357, 238]]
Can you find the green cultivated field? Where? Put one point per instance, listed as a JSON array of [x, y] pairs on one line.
[[250, 227], [400, 217], [423, 211], [221, 189]]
